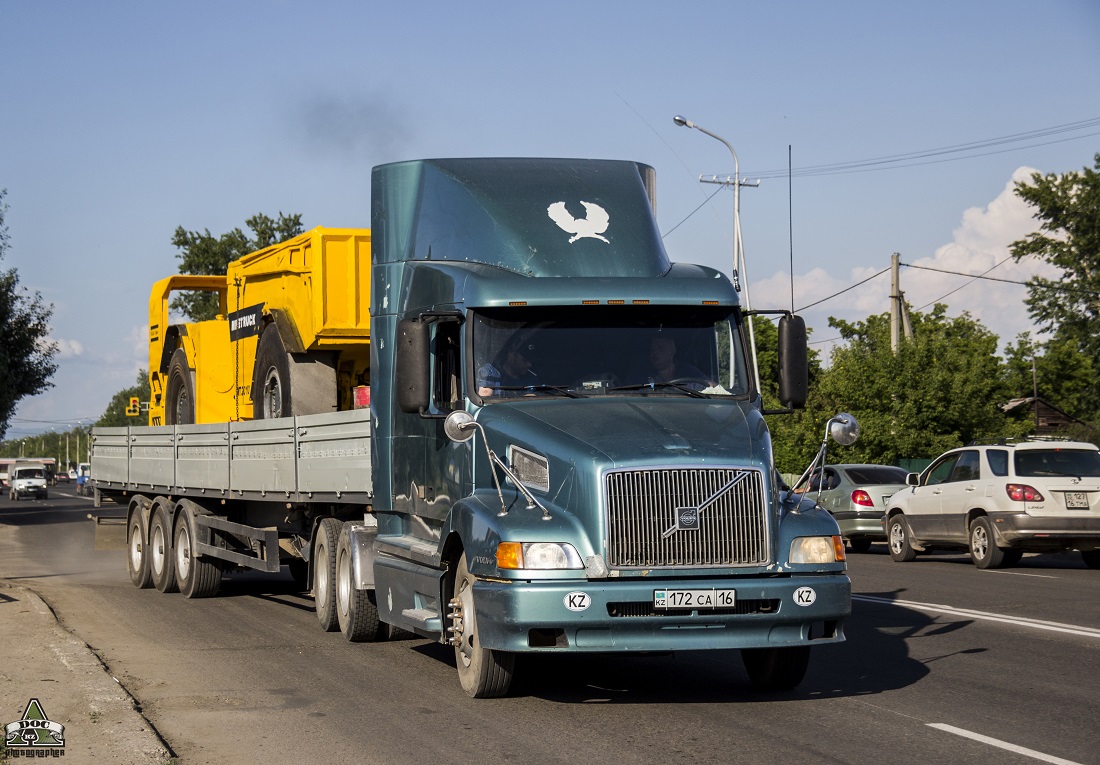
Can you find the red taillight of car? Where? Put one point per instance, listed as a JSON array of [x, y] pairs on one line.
[[860, 497], [1021, 492]]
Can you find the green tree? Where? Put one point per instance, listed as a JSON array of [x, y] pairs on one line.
[[26, 352], [204, 254], [942, 389], [1068, 207], [116, 416]]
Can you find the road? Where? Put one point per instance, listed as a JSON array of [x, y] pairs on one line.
[[943, 663]]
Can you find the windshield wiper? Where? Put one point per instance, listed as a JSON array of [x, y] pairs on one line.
[[541, 387], [654, 385]]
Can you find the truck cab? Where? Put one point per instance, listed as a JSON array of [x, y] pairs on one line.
[[589, 499]]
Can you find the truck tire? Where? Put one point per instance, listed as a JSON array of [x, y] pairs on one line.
[[160, 550], [197, 577], [324, 573], [137, 559], [179, 404], [983, 545], [484, 673], [897, 539], [356, 610], [288, 384], [776, 669]]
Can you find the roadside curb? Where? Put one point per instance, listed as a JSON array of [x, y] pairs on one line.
[[41, 660]]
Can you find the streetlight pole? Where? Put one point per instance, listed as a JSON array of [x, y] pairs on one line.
[[739, 269]]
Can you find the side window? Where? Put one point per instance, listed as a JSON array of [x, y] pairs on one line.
[[832, 480], [997, 459], [940, 471], [967, 468], [446, 367]]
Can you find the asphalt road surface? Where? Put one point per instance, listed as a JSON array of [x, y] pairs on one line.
[[944, 663]]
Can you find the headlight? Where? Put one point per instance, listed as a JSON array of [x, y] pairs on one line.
[[817, 550], [537, 555]]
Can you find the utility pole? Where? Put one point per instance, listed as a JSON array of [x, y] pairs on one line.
[[739, 272], [899, 311]]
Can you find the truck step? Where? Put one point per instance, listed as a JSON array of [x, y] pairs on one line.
[[424, 618]]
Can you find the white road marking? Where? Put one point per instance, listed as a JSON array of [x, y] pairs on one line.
[[1019, 573], [1020, 621], [1001, 744]]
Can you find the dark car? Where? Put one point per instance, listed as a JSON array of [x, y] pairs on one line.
[[856, 496]]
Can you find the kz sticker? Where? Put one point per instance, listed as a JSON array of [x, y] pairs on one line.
[[804, 596]]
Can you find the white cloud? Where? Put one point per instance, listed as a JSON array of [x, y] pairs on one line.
[[980, 244], [67, 349]]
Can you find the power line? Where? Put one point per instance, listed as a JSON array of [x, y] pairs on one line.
[[838, 294], [913, 158]]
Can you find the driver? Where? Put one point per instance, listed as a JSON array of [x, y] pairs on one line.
[[663, 364], [511, 369]]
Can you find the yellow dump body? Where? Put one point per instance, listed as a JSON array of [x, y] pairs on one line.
[[314, 290]]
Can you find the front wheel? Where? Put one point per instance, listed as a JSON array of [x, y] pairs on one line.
[[776, 669], [983, 546], [897, 537], [180, 391], [483, 672]]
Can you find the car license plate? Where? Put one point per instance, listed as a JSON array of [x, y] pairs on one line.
[[694, 599], [1077, 500]]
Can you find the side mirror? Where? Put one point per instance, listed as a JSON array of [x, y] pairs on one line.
[[412, 360], [459, 426], [794, 375], [844, 429], [912, 479]]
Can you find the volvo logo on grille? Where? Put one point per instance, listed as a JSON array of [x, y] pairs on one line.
[[687, 519]]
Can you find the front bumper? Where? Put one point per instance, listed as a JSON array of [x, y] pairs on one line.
[[619, 615], [1034, 532]]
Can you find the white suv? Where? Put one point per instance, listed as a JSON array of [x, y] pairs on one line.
[[1000, 501]]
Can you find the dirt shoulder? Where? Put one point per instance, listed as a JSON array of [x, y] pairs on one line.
[[40, 660]]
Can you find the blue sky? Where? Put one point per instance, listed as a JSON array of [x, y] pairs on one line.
[[121, 120]]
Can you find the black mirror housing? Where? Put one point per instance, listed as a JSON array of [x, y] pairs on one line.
[[412, 366], [794, 382]]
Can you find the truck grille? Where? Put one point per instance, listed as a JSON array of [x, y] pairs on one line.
[[642, 507]]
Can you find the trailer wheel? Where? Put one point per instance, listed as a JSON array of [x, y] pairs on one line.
[[137, 558], [324, 573], [160, 551], [179, 406], [356, 610], [287, 384], [197, 577], [776, 669], [483, 672]]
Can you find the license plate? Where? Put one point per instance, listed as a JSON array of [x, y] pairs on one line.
[[694, 599], [1077, 500]]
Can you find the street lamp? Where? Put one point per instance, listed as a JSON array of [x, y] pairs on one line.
[[738, 249]]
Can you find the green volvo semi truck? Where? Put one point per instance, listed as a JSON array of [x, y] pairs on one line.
[[564, 448]]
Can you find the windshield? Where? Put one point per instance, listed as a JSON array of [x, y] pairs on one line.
[[628, 351], [1058, 462], [28, 473]]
